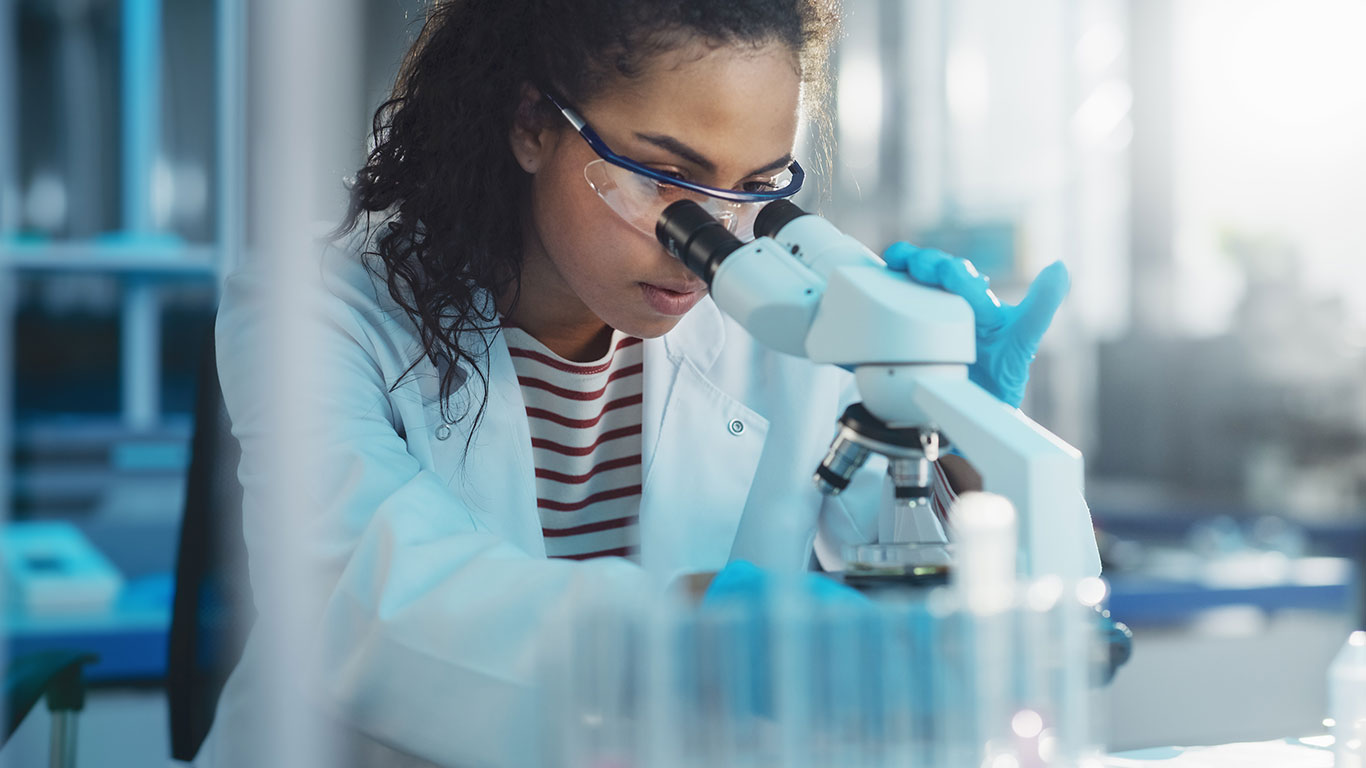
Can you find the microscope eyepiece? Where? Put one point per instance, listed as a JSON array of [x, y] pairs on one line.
[[695, 238], [775, 216]]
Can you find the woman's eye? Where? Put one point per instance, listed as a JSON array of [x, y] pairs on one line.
[[759, 186], [675, 175]]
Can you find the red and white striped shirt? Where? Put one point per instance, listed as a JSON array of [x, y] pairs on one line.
[[942, 496], [585, 423]]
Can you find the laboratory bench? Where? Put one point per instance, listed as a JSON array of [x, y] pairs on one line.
[[131, 640], [130, 637], [1316, 584], [1340, 535], [1161, 574]]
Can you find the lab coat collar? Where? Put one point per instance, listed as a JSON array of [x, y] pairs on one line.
[[700, 450], [694, 343], [698, 337]]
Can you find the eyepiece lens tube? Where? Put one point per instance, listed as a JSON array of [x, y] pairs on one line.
[[775, 216], [695, 237]]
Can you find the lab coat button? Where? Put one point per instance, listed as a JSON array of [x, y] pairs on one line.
[[443, 431], [736, 426]]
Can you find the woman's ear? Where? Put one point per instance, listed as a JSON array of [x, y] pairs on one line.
[[530, 136]]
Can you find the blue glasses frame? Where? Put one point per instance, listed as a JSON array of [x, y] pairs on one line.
[[731, 195]]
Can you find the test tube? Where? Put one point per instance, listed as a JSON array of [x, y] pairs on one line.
[[963, 675]]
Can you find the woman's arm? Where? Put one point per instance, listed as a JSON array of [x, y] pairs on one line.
[[962, 476], [427, 628]]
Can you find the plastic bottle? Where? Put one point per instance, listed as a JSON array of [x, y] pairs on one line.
[[1347, 702]]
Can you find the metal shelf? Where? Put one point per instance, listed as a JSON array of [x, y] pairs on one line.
[[143, 259], [134, 258]]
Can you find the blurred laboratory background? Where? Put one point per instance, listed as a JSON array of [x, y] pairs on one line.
[[1198, 164]]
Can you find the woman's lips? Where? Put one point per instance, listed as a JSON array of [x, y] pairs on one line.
[[670, 302]]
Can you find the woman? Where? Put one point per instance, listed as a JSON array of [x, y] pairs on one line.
[[526, 399]]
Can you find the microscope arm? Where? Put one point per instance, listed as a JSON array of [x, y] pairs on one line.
[[909, 346], [1018, 459]]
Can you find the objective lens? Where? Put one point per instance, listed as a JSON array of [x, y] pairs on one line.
[[910, 477], [841, 462]]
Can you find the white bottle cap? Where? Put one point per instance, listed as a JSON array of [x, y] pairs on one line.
[[984, 572]]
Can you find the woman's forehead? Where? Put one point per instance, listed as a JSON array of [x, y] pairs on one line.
[[730, 103]]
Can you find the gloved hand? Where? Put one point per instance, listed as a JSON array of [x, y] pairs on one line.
[[741, 593], [749, 584], [1117, 644], [1007, 336]]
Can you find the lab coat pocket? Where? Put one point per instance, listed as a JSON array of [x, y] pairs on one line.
[[700, 476]]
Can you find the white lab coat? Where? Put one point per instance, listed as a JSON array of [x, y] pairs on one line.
[[439, 589]]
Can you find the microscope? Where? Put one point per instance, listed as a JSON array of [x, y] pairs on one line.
[[949, 676], [805, 288]]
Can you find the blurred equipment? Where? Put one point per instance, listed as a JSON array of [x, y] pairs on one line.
[[49, 567], [1271, 414], [987, 671], [56, 676], [1347, 691], [990, 245], [807, 289]]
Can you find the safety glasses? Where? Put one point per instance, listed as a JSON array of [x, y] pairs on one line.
[[639, 194]]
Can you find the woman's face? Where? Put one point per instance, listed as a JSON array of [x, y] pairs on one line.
[[712, 115]]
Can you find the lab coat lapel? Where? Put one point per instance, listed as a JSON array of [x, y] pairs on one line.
[[700, 450], [497, 477]]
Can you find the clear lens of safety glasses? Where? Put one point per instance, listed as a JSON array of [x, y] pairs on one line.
[[640, 200]]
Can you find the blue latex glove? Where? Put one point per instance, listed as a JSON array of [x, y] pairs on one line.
[[748, 583], [744, 587], [1007, 336]]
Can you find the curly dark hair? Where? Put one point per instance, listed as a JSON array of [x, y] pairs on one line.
[[443, 175]]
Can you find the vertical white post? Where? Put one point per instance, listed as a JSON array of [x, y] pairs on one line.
[[294, 47], [948, 164], [1072, 161], [894, 63], [1153, 176], [925, 154]]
